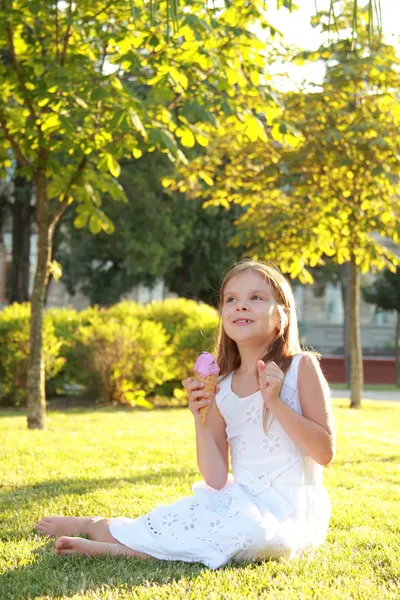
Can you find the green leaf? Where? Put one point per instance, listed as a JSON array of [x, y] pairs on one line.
[[113, 165], [136, 122], [81, 220], [188, 139], [163, 140], [179, 77], [95, 223]]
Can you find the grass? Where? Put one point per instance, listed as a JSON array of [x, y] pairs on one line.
[[377, 387], [119, 462]]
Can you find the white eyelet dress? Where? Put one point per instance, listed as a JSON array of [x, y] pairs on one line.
[[275, 505]]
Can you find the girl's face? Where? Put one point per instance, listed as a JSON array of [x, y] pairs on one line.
[[249, 309]]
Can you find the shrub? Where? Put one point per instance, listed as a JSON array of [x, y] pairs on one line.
[[125, 310], [119, 354], [191, 328], [14, 352], [66, 322], [127, 360], [176, 314]]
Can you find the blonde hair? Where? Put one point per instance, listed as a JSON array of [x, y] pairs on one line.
[[286, 343]]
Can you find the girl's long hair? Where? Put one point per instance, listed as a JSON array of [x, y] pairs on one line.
[[286, 343]]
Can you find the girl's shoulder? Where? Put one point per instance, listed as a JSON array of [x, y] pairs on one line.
[[292, 374]]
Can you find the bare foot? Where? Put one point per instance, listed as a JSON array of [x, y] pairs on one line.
[[77, 545], [73, 545], [58, 526]]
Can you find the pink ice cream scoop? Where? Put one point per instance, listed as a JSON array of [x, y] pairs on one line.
[[206, 365], [206, 371]]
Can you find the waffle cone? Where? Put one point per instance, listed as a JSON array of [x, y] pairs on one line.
[[210, 383]]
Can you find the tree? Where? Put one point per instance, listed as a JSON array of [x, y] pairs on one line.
[[207, 253], [149, 236], [334, 192], [385, 293], [157, 235], [69, 114], [22, 210]]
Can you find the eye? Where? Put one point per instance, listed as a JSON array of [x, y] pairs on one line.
[[229, 299], [256, 297]]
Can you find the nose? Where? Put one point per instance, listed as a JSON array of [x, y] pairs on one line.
[[241, 306]]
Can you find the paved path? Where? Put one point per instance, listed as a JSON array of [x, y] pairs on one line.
[[370, 394]]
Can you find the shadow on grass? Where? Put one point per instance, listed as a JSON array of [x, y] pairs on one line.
[[78, 407], [24, 496], [63, 576]]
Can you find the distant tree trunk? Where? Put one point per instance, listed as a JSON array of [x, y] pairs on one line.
[[36, 394], [398, 350], [18, 283], [356, 361], [3, 209], [344, 285]]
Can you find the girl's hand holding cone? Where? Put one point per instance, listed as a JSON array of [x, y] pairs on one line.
[[202, 389], [198, 397]]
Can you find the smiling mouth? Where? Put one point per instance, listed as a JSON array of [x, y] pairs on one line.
[[242, 322]]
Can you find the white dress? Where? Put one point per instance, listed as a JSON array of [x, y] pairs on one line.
[[275, 505]]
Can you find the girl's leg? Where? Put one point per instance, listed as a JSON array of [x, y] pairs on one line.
[[76, 545], [95, 528]]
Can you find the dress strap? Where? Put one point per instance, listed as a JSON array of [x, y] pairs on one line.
[[224, 389], [292, 373]]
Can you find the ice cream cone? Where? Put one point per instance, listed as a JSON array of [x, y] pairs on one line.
[[206, 370], [210, 383]]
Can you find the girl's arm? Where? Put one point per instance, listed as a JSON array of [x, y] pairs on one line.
[[212, 445], [313, 431], [212, 448]]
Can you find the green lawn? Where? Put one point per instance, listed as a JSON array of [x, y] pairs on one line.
[[379, 387], [119, 462]]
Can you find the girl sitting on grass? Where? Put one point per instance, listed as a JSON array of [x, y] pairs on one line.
[[271, 414]]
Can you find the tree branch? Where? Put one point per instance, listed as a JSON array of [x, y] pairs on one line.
[[67, 35], [64, 201], [57, 32], [91, 17], [14, 145]]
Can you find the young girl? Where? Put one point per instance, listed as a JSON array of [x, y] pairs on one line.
[[272, 411]]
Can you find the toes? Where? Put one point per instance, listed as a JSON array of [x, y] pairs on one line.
[[64, 543], [42, 530], [43, 523]]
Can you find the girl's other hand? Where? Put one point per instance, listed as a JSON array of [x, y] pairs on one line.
[[271, 379], [197, 397]]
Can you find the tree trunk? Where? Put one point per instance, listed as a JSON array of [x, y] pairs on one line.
[[55, 244], [18, 284], [36, 394], [344, 285], [398, 350], [356, 361]]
